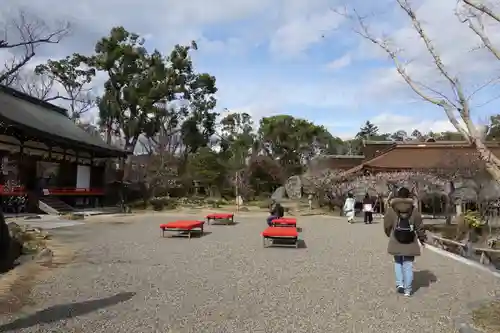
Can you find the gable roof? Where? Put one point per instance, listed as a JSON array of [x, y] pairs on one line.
[[48, 121], [423, 155], [343, 162]]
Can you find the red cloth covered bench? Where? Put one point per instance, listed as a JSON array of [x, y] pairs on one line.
[[281, 233], [285, 221], [183, 227], [220, 216]]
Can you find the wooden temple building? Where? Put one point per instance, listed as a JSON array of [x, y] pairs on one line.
[[48, 163], [390, 156]]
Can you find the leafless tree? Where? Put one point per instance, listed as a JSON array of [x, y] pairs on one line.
[[474, 13], [457, 105], [38, 86], [20, 38], [160, 169]]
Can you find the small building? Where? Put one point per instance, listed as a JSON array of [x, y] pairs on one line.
[[48, 162], [420, 156], [438, 157]]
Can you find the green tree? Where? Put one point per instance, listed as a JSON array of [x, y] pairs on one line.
[[264, 174], [399, 135], [493, 133], [237, 139], [417, 135], [353, 147], [447, 136], [205, 167], [196, 92], [74, 77], [137, 82], [292, 141], [367, 131]]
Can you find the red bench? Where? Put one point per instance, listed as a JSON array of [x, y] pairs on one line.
[[284, 222], [281, 233], [183, 227], [221, 217]]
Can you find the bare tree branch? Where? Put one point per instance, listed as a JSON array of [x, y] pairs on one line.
[[453, 81], [493, 163], [483, 8], [30, 32], [486, 84], [364, 32], [467, 16], [38, 86], [461, 104]]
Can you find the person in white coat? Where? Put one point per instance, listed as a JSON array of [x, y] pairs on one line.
[[349, 207]]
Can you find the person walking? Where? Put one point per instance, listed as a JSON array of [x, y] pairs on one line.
[[403, 225], [349, 207], [368, 209]]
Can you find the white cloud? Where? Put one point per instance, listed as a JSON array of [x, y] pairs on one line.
[[292, 28], [390, 123], [297, 35], [340, 63], [455, 42]]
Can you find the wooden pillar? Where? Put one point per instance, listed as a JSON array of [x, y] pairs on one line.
[[31, 181]]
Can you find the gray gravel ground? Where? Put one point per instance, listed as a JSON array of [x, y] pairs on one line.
[[227, 282]]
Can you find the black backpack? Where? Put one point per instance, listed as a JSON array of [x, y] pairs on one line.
[[404, 231]]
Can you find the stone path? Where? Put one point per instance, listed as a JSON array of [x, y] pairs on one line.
[[126, 278]]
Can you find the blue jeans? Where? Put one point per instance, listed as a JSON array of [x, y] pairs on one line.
[[270, 219], [403, 267]]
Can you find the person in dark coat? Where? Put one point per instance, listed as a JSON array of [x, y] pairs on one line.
[[368, 209], [276, 211], [402, 208]]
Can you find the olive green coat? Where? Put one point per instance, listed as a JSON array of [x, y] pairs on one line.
[[403, 207]]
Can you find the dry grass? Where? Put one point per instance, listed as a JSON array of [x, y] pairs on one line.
[[487, 317], [16, 285]]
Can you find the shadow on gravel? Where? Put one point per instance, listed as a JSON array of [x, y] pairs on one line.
[[282, 243], [423, 279], [225, 223], [65, 311], [183, 235]]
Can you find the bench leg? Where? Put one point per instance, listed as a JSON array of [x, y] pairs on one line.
[[163, 233], [264, 242]]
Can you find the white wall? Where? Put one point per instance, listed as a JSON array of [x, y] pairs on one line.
[[83, 176]]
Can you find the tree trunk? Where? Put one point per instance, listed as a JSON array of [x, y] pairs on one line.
[[492, 162]]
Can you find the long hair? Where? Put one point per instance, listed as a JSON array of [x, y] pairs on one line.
[[403, 193]]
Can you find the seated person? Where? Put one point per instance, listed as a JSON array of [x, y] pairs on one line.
[[277, 211]]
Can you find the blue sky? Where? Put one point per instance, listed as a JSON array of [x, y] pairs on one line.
[[299, 57]]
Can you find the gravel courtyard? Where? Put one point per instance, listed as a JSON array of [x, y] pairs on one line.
[[126, 278]]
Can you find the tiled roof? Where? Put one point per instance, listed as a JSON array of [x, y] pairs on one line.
[[424, 156], [343, 162], [46, 120]]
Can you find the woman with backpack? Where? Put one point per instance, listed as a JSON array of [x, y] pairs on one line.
[[403, 225]]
